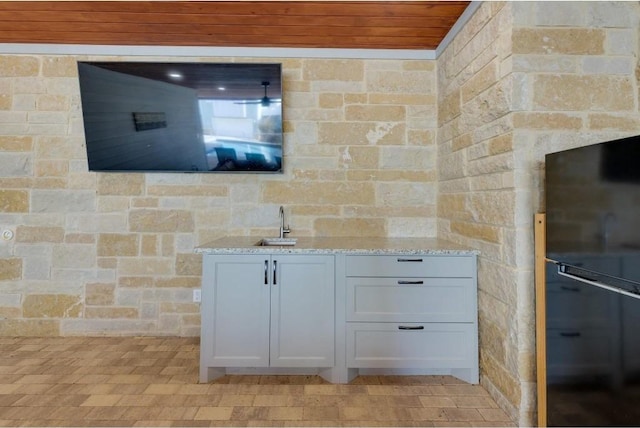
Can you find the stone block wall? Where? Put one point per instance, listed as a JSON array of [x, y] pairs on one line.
[[523, 79], [476, 199], [112, 253]]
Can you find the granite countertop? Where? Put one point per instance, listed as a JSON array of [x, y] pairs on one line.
[[344, 245]]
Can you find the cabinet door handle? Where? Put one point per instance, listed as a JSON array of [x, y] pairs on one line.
[[411, 327], [410, 282], [401, 260], [571, 334], [275, 267], [266, 272], [567, 288]]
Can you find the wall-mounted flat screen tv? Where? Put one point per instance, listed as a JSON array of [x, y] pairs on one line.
[[182, 117]]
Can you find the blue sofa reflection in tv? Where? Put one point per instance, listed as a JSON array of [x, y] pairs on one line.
[[232, 154]]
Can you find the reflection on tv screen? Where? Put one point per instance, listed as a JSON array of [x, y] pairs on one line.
[[182, 117]]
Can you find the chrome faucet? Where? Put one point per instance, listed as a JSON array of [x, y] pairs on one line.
[[283, 229]]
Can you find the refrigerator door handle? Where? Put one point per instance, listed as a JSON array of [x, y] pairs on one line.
[[600, 284]]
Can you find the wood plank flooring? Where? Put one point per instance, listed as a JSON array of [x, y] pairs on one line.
[[143, 381]]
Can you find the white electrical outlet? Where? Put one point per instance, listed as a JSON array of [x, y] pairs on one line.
[[7, 234], [197, 295]]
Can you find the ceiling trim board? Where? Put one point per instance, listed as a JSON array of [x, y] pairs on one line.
[[117, 50]]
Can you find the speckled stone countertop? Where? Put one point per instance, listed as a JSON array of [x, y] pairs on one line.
[[348, 245]]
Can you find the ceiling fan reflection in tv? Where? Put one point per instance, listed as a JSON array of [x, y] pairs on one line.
[[265, 101]]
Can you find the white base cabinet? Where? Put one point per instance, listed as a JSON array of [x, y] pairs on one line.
[[267, 311], [412, 312], [339, 313]]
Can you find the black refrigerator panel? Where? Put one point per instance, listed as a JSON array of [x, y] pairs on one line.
[[593, 351], [592, 199]]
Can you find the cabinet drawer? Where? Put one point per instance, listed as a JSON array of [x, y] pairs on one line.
[[410, 345], [411, 266], [411, 299]]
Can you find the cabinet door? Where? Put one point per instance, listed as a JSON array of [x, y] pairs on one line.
[[302, 311], [240, 304]]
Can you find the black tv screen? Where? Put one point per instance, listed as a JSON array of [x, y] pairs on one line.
[[182, 117], [593, 206], [620, 160]]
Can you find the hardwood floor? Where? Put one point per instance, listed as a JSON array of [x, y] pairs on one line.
[[141, 381]]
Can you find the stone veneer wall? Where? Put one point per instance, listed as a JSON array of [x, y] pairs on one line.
[[521, 80], [112, 253]]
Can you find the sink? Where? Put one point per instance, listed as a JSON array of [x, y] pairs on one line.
[[266, 242]]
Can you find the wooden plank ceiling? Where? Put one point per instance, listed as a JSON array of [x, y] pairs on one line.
[[297, 24]]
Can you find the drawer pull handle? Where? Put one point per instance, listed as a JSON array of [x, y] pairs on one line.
[[411, 327], [409, 260], [566, 288], [572, 334], [410, 282], [266, 272]]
